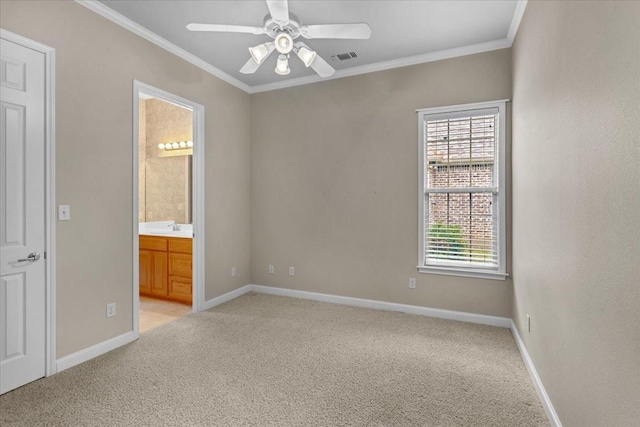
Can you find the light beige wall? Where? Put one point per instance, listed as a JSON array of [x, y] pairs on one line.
[[576, 205], [334, 183], [167, 172], [97, 62], [167, 186]]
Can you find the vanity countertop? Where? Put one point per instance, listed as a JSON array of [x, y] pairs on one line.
[[165, 229]]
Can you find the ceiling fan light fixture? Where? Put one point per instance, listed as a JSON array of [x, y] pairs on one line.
[[284, 43], [306, 55], [282, 66], [260, 52]]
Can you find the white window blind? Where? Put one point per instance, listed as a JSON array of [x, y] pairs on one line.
[[462, 200]]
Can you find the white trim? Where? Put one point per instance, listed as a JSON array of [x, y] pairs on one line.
[[198, 217], [135, 164], [50, 191], [139, 30], [198, 195], [94, 351], [226, 297], [464, 272], [463, 107], [499, 273], [517, 19], [535, 378], [387, 65], [482, 319]]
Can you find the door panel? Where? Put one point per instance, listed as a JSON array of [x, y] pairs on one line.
[[22, 209], [14, 294]]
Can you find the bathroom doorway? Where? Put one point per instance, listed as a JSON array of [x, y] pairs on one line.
[[168, 208]]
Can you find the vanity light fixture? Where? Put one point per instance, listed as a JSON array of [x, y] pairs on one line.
[[175, 145]]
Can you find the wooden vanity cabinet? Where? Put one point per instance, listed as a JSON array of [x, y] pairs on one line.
[[166, 267]]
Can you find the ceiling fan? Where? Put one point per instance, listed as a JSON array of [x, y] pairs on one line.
[[284, 28]]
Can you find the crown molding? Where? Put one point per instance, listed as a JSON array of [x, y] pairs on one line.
[[515, 22], [139, 30], [387, 65]]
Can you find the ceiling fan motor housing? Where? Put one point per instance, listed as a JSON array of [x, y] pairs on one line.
[[272, 28]]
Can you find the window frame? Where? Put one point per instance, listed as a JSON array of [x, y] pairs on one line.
[[456, 269]]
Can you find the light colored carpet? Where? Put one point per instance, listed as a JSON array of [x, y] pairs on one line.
[[268, 360]]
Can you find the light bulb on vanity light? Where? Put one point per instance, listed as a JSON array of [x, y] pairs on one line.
[[189, 143], [175, 145], [183, 144], [161, 146]]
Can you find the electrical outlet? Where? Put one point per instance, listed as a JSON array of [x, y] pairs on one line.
[[292, 271], [412, 282], [111, 309], [271, 269], [234, 272], [528, 323]]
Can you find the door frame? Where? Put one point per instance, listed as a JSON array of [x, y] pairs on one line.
[[49, 190], [197, 195]]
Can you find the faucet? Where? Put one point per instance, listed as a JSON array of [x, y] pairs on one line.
[[175, 227]]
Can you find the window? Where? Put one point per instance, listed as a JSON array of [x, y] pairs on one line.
[[462, 190]]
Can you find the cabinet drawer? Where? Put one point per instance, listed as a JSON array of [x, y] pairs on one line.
[[180, 289], [180, 265], [153, 243], [182, 245]]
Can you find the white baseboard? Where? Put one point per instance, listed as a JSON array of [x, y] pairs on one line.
[[537, 382], [94, 351], [482, 319], [226, 297]]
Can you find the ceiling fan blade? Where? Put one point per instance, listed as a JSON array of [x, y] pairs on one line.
[[336, 31], [321, 67], [279, 10], [250, 67], [225, 28]]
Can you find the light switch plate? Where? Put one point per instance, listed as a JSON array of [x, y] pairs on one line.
[[64, 213]]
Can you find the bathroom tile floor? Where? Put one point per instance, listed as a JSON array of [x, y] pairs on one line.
[[156, 312]]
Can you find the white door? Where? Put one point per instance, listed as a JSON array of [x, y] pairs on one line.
[[22, 216]]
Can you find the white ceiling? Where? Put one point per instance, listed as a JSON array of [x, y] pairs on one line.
[[403, 32]]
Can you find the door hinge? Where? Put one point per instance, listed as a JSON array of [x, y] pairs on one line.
[[45, 254]]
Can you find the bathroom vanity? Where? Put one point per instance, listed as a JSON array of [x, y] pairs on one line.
[[166, 264]]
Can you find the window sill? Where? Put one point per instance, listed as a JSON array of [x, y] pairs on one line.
[[449, 271]]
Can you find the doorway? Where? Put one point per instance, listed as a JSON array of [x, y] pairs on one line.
[[168, 207]]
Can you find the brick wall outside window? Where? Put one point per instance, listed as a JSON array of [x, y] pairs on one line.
[[472, 212]]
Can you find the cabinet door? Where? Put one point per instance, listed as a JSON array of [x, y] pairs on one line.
[[180, 265], [180, 289], [146, 270], [160, 270]]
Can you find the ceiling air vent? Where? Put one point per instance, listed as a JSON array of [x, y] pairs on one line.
[[344, 56]]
